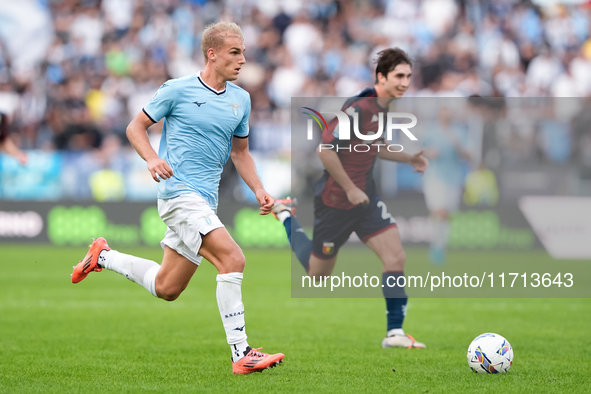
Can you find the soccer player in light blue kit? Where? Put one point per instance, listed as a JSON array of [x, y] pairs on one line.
[[443, 185], [206, 122]]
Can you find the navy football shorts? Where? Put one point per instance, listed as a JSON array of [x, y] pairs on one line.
[[332, 226]]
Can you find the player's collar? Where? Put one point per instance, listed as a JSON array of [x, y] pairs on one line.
[[209, 87], [375, 94]]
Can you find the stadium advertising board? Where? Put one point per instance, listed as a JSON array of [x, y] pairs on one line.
[[135, 223]]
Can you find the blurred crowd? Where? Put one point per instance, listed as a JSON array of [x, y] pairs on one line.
[[104, 59]]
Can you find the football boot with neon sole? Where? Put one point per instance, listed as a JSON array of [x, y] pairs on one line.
[[402, 341], [255, 361], [90, 262], [286, 204]]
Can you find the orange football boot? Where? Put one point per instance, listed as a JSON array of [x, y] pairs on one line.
[[90, 262], [256, 361]]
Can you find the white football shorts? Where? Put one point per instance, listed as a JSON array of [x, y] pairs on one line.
[[439, 195], [188, 218]]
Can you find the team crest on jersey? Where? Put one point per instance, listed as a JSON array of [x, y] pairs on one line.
[[235, 108], [328, 248]]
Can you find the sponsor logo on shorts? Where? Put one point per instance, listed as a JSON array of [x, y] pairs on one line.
[[328, 248]]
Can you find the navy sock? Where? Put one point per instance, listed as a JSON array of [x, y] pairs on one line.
[[396, 299], [300, 243]]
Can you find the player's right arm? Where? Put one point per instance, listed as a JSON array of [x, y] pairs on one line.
[[332, 164], [137, 133]]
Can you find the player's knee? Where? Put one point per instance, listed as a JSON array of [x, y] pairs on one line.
[[238, 261], [441, 214], [395, 261], [169, 292], [169, 295], [233, 262]]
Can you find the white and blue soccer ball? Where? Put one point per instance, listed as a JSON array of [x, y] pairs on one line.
[[490, 353]]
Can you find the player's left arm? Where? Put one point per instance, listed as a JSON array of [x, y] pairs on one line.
[[245, 166], [418, 160]]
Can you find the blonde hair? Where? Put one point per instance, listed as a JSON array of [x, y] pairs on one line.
[[215, 34]]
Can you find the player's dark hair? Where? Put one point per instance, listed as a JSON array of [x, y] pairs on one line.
[[388, 59]]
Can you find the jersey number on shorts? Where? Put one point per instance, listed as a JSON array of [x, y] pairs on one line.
[[385, 214]]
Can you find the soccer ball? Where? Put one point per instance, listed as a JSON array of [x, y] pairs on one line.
[[490, 353]]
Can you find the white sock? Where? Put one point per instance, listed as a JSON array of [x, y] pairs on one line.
[[440, 233], [229, 296], [283, 215], [138, 270], [239, 350], [395, 331]]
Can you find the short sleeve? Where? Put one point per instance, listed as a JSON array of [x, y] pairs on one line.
[[162, 103], [243, 130]]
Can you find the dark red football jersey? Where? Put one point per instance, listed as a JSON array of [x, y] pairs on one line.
[[357, 164]]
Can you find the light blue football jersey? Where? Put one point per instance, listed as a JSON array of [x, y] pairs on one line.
[[199, 125], [448, 166]]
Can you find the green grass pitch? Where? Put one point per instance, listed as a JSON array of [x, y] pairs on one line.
[[107, 334]]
